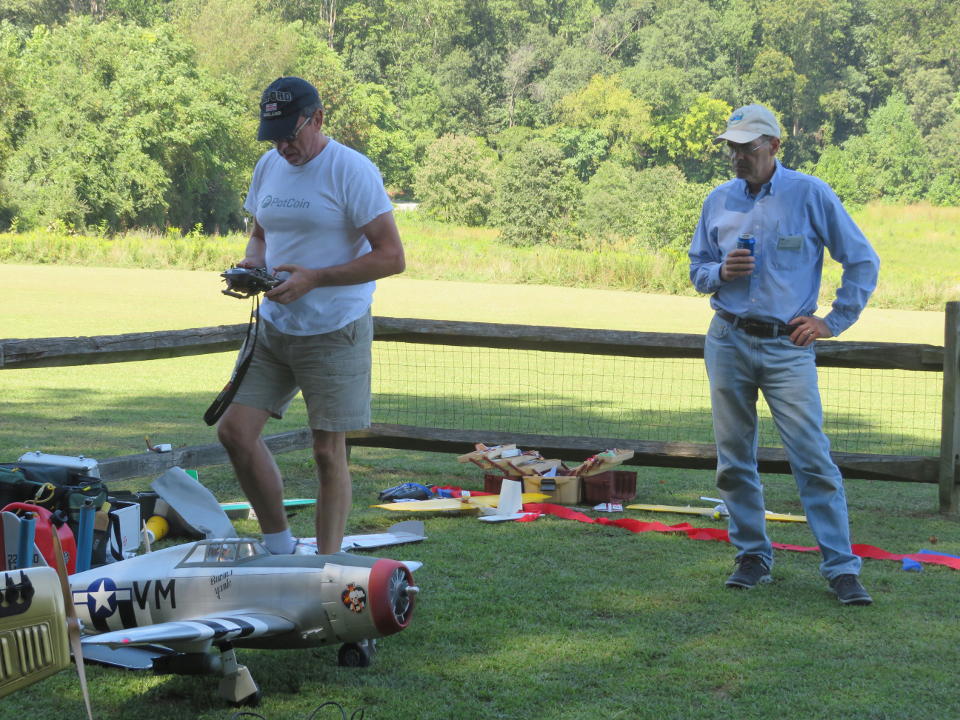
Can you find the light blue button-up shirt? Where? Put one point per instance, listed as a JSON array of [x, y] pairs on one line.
[[793, 217]]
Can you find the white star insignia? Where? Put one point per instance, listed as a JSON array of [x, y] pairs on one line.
[[102, 597]]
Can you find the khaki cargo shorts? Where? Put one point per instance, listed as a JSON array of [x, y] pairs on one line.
[[332, 371]]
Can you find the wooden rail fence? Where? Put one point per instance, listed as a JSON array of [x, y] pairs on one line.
[[943, 470]]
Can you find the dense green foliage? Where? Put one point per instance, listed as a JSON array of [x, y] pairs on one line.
[[118, 128], [455, 181], [538, 197], [123, 113]]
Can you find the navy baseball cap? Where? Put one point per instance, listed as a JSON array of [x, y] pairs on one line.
[[280, 106]]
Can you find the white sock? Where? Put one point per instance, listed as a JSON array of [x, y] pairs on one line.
[[280, 543]]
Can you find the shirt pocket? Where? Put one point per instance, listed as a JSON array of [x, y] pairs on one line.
[[791, 251]]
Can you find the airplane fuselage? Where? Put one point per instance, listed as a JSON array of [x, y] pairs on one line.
[[233, 591]]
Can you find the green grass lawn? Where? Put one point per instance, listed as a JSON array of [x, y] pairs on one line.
[[550, 619], [557, 619]]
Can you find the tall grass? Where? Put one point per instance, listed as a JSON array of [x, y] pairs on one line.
[[440, 252], [919, 247], [143, 249]]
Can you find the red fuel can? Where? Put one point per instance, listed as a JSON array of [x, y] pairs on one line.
[[43, 538]]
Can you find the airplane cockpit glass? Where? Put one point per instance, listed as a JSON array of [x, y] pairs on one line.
[[247, 549], [224, 551], [227, 552]]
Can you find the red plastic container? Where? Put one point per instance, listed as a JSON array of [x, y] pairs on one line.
[[43, 535]]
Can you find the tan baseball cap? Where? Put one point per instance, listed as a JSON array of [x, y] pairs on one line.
[[748, 123]]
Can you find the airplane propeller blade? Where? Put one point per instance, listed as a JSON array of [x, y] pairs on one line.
[[73, 623]]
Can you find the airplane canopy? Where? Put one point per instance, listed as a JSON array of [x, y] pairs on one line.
[[228, 551]]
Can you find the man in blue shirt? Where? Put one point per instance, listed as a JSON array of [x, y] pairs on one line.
[[762, 336]]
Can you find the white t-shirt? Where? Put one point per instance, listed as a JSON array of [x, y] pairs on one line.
[[310, 215]]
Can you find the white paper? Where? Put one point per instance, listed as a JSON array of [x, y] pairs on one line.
[[608, 507]]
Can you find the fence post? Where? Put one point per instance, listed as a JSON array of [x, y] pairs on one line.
[[950, 426]]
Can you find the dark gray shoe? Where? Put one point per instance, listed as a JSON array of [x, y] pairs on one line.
[[751, 570], [849, 590]]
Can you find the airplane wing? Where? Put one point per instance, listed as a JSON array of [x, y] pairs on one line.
[[196, 635], [472, 504]]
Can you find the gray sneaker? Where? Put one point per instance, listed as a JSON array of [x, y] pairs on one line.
[[751, 570], [849, 590]]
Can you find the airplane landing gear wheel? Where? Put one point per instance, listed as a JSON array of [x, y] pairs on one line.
[[353, 655]]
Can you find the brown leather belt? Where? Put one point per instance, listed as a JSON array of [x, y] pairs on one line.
[[756, 328]]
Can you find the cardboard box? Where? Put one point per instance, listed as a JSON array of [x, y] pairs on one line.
[[128, 517], [563, 489]]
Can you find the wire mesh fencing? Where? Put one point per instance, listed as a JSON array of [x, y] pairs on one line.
[[894, 412]]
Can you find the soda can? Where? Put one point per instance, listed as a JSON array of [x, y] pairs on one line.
[[746, 241]]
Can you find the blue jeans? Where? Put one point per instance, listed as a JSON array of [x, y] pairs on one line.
[[739, 365]]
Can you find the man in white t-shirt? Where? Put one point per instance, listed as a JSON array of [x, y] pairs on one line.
[[324, 223]]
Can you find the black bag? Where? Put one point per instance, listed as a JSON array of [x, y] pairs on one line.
[[146, 499], [50, 486], [14, 487]]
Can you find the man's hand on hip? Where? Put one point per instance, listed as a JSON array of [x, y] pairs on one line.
[[807, 329]]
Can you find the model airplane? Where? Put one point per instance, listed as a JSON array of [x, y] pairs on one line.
[[465, 503], [244, 510], [716, 512], [231, 593]]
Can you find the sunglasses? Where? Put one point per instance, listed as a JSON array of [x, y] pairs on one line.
[[733, 149], [293, 136]]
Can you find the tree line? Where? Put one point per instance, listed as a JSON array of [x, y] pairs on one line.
[[573, 122]]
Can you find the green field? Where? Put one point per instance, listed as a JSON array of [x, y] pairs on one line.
[[551, 619], [919, 248]]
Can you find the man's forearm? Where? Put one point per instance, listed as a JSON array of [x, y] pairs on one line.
[[377, 264], [256, 252]]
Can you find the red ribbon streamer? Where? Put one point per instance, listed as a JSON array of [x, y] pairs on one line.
[[720, 535]]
